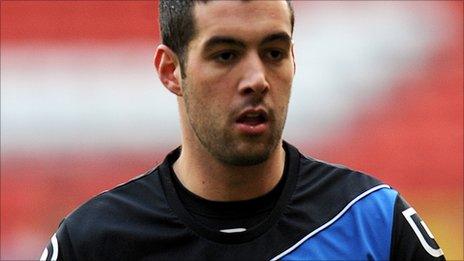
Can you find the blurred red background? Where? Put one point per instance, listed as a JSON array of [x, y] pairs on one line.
[[82, 109]]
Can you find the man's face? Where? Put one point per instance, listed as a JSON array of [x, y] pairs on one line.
[[239, 72]]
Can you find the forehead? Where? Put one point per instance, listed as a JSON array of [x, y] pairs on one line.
[[246, 20]]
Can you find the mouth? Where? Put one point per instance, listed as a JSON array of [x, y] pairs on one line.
[[253, 121]]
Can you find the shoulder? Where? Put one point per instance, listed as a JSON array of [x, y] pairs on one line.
[[127, 208], [324, 189], [368, 217], [334, 180], [122, 198], [342, 209]]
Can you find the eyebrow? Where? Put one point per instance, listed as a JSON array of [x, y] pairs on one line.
[[277, 37], [218, 40]]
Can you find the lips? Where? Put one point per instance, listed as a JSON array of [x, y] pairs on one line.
[[253, 117], [253, 121]]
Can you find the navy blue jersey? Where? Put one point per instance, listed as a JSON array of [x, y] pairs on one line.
[[322, 212]]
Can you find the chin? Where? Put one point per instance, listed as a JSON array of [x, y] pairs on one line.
[[247, 159], [248, 154]]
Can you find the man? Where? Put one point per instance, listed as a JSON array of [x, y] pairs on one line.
[[235, 189]]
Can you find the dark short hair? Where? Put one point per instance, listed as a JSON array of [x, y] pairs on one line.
[[177, 25]]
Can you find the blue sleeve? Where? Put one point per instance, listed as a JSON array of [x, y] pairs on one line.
[[378, 225], [361, 231]]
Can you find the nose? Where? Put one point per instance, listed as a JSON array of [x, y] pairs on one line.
[[254, 81]]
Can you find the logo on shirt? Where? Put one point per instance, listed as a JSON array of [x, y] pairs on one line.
[[416, 223]]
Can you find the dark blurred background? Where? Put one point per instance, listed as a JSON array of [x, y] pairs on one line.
[[379, 88]]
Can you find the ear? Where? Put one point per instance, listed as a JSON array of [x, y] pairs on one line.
[[293, 56], [168, 68]]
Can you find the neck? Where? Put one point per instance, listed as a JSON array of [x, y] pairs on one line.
[[218, 181]]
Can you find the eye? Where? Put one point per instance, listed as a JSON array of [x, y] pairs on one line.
[[225, 57], [274, 55]]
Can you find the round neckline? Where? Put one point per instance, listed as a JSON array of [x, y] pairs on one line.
[[197, 205], [290, 173]]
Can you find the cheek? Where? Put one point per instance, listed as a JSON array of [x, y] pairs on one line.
[[207, 99], [208, 82], [215, 90], [282, 84]]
